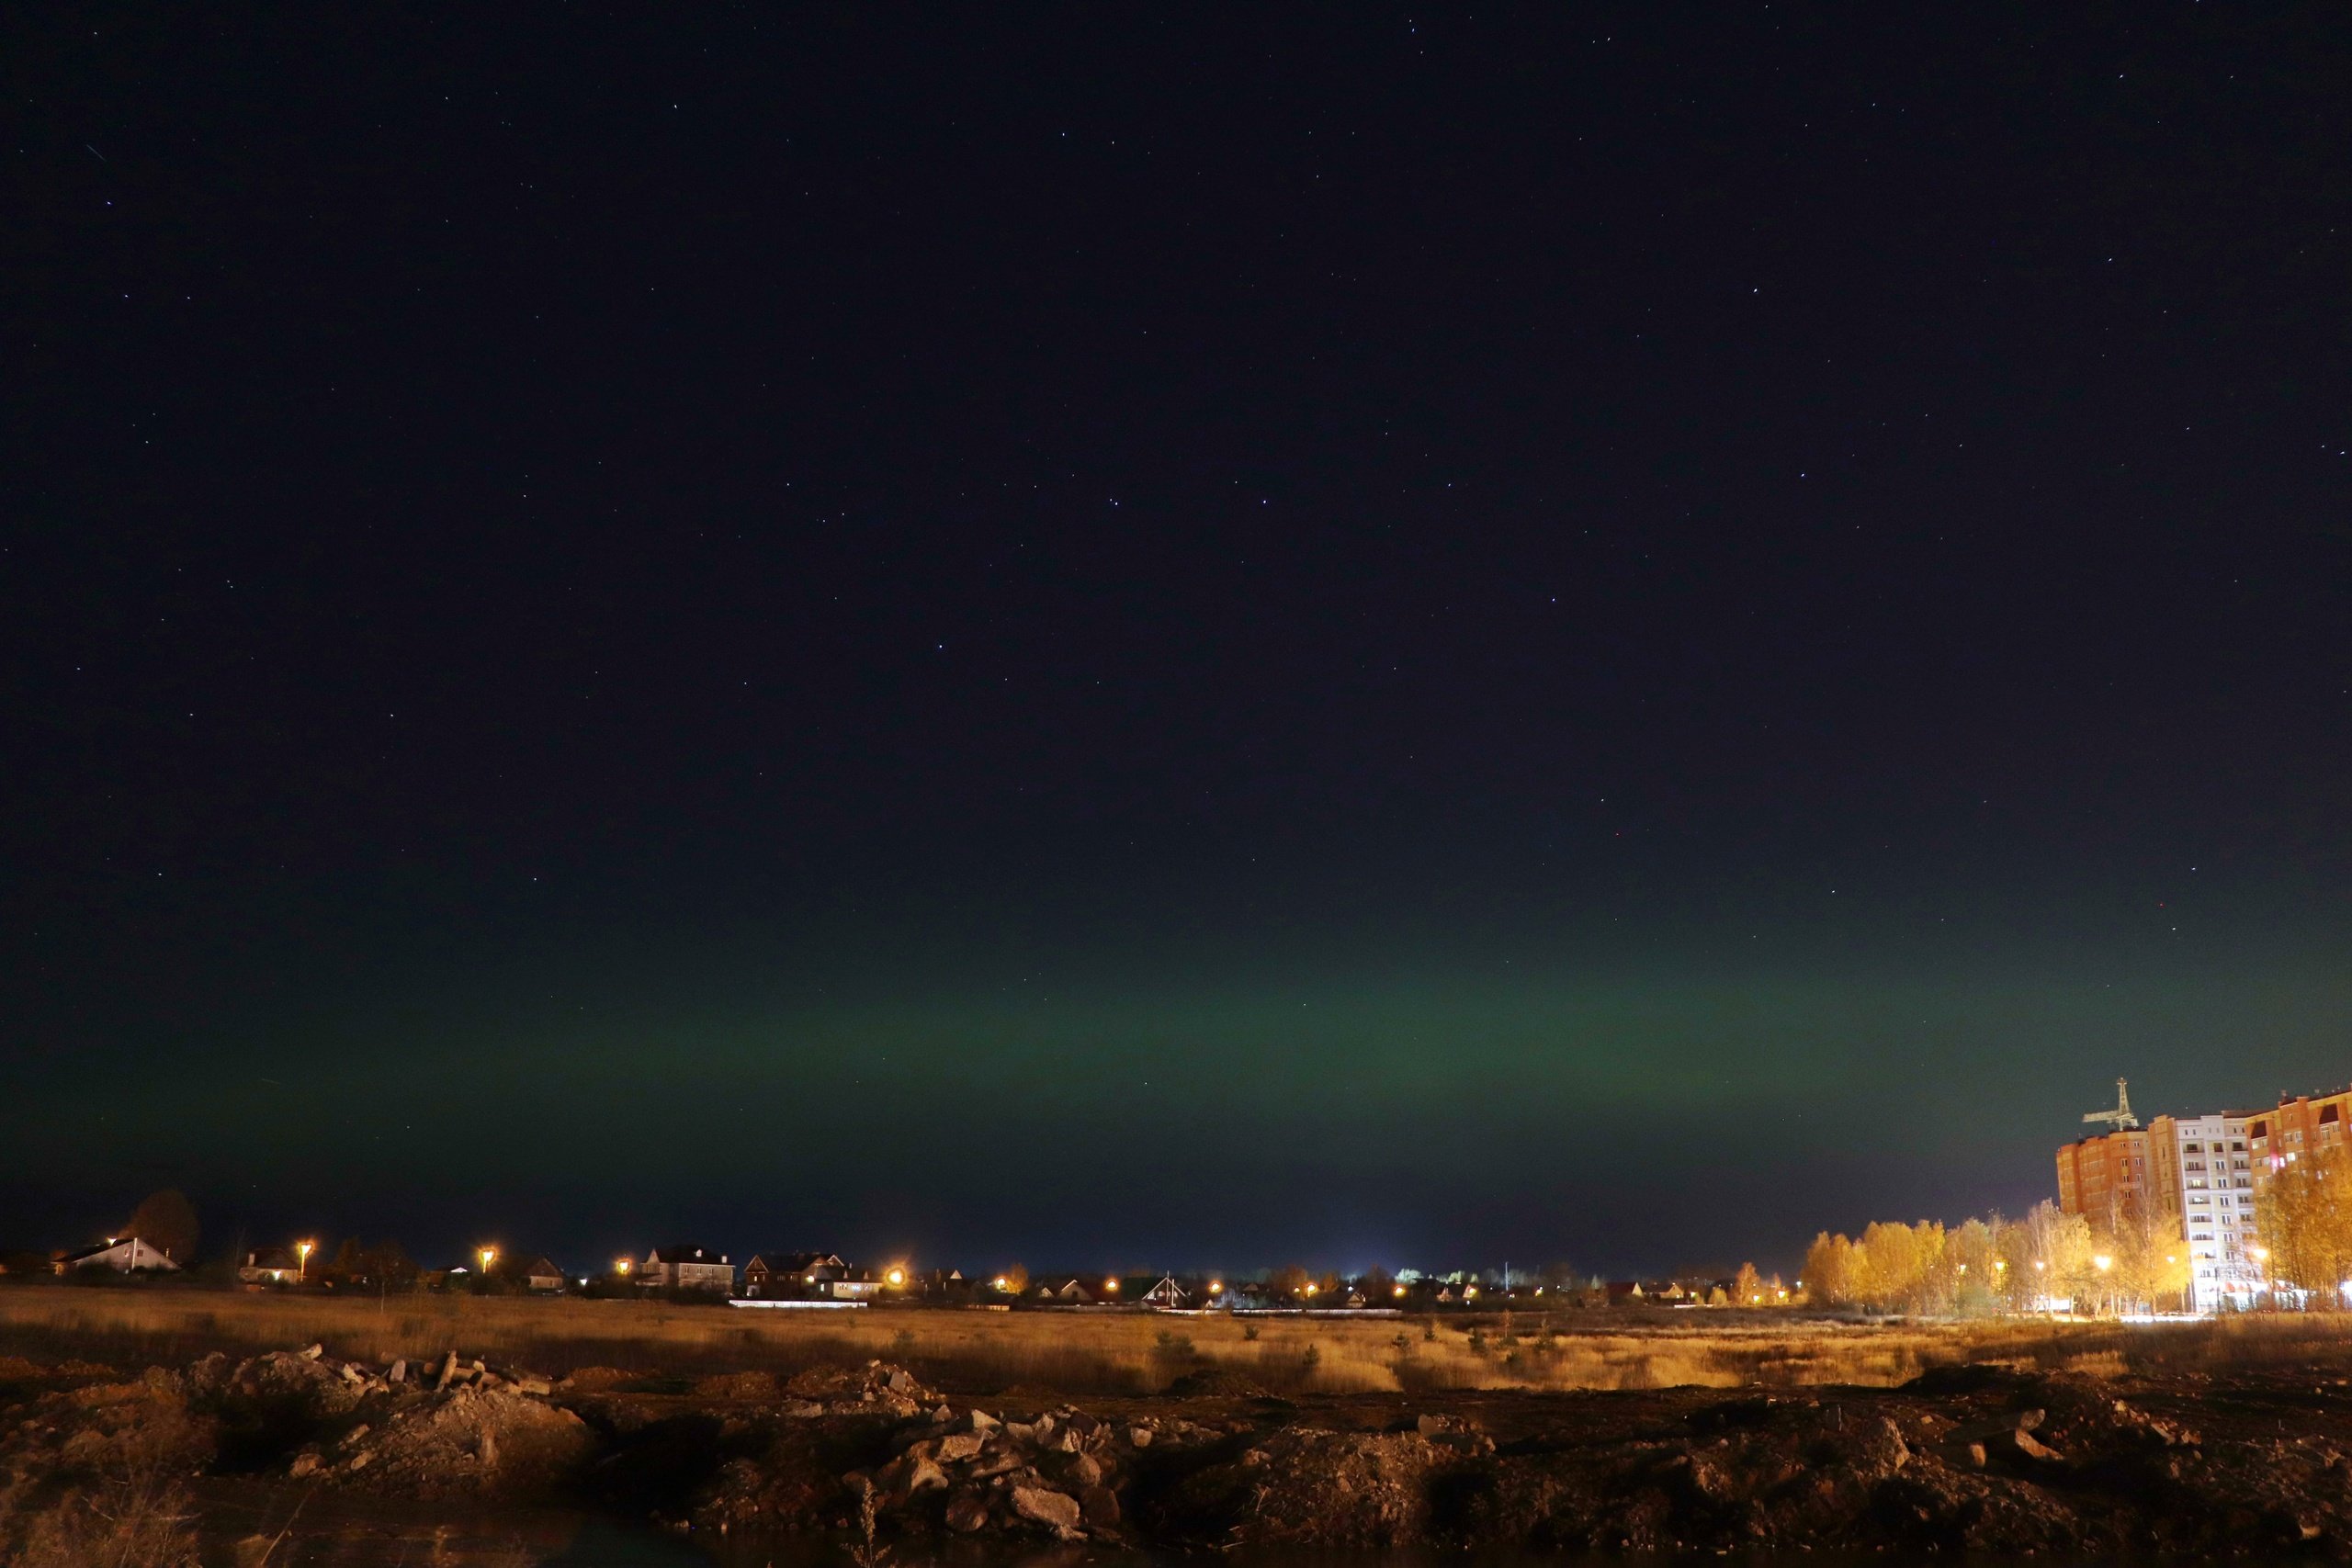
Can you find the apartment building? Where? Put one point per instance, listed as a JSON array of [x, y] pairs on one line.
[[2105, 1179], [2201, 1183]]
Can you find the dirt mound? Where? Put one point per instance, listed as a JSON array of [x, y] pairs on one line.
[[878, 1384], [736, 1385], [598, 1380], [1313, 1488], [1215, 1382], [477, 1442]]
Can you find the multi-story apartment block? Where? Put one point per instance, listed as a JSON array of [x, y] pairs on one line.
[[2105, 1179], [2201, 1183]]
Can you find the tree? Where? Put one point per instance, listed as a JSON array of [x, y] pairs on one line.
[[1828, 1270], [1288, 1281], [1016, 1279], [2304, 1213], [167, 1222], [1748, 1287]]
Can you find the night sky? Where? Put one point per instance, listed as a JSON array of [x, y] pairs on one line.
[[1120, 636]]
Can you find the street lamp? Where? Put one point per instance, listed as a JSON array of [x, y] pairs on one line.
[[1216, 1287], [2103, 1262], [488, 1255], [301, 1261], [1111, 1286], [620, 1267], [894, 1278]]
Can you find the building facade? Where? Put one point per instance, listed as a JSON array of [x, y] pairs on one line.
[[686, 1268], [2201, 1183], [2105, 1179]]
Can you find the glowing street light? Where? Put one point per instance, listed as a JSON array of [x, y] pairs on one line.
[[2103, 1262], [1399, 1290], [1111, 1286], [1469, 1292], [1002, 1283], [894, 1278], [620, 1267], [1216, 1287], [301, 1261], [489, 1254]]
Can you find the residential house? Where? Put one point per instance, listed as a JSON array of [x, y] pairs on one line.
[[271, 1266], [1625, 1292], [1064, 1292], [787, 1276], [1166, 1294], [541, 1275], [686, 1268], [123, 1255]]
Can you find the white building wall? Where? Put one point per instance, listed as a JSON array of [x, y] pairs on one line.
[[2216, 1200]]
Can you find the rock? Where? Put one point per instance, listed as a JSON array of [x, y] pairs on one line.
[[2026, 1446], [984, 1422], [537, 1386], [1084, 1471], [922, 1476], [966, 1512], [899, 1382], [314, 1352], [353, 1435], [1139, 1436], [449, 1370], [1058, 1511], [304, 1464], [398, 1372], [958, 1447], [1098, 1506], [1429, 1426]]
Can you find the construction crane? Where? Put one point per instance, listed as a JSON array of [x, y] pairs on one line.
[[2120, 1117]]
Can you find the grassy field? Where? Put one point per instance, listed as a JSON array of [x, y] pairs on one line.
[[1106, 1353]]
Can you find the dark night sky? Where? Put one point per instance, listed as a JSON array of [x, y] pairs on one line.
[[1118, 635]]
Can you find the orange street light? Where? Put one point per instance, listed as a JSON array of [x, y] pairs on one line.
[[1111, 1286], [1310, 1287], [302, 1250], [1398, 1291], [2103, 1262], [1216, 1287], [894, 1278], [620, 1267], [489, 1254], [1002, 1283]]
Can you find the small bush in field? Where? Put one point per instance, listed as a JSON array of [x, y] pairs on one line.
[[1249, 1332], [1404, 1343], [1171, 1346], [1478, 1342], [902, 1344]]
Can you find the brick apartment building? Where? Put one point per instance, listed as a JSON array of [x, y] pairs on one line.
[[2105, 1179]]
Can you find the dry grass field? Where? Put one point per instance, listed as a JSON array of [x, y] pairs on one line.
[[1080, 1353]]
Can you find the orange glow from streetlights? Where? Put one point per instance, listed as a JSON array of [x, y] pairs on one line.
[[894, 1278], [1111, 1286], [302, 1250], [1399, 1290], [489, 1254], [1216, 1287], [620, 1267]]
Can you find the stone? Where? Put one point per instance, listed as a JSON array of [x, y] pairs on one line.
[[1098, 1506], [957, 1447], [1084, 1471], [984, 1422], [314, 1352], [304, 1464], [1058, 1511], [398, 1372], [449, 1371], [922, 1475], [966, 1512], [1139, 1436]]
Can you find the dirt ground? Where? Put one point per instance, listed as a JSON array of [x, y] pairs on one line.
[[1979, 1456]]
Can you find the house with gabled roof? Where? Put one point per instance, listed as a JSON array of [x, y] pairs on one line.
[[686, 1268]]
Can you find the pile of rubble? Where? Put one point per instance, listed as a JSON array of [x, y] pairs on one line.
[[1061, 1474]]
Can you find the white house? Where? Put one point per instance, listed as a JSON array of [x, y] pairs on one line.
[[124, 1255]]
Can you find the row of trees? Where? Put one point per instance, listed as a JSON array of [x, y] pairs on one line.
[[2305, 1213], [2045, 1261]]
